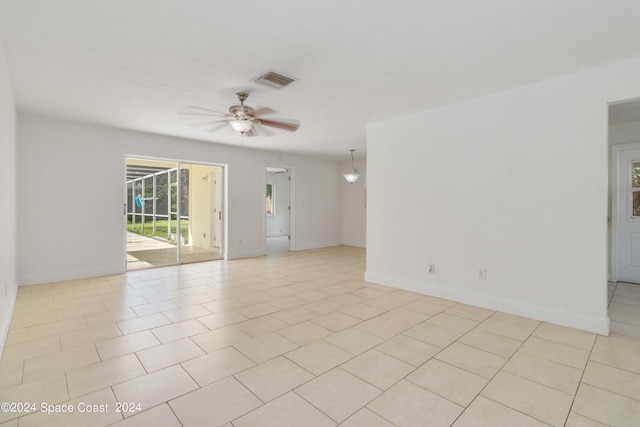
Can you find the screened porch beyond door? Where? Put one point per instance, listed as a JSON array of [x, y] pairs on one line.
[[174, 213]]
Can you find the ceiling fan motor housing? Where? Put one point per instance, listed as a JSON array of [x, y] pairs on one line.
[[241, 112]]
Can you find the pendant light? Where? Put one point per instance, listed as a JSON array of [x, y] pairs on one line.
[[351, 175]]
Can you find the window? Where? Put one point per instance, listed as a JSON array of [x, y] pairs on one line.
[[270, 199], [635, 188]]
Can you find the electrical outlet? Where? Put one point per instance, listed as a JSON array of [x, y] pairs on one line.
[[482, 274], [432, 268]]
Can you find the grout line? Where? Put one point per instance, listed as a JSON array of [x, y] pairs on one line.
[[240, 283]]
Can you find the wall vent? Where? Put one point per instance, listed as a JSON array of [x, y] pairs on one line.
[[274, 80]]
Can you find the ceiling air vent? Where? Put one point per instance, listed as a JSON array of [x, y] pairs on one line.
[[274, 80]]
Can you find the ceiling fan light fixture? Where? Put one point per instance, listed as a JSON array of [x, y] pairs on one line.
[[242, 118], [242, 126], [351, 175]]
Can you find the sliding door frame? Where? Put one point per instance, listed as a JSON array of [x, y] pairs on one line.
[[179, 163]]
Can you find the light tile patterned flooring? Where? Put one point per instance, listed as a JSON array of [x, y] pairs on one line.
[[299, 339]]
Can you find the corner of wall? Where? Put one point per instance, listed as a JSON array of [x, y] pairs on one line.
[[354, 243], [5, 319], [354, 212]]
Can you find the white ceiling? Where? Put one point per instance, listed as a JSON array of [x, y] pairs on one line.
[[135, 64]]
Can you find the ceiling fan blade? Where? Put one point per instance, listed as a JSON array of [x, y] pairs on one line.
[[209, 123], [215, 128], [291, 127], [263, 111], [203, 114], [194, 110], [259, 130]]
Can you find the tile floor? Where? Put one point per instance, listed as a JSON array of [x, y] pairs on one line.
[[299, 339]]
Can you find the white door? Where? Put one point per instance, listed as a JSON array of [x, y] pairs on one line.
[[627, 220], [218, 209]]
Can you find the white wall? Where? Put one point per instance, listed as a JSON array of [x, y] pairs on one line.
[[8, 216], [70, 196], [354, 213], [514, 182]]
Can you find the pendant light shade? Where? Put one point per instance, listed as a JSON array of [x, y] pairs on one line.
[[351, 175]]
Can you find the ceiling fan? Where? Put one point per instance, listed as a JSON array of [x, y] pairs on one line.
[[242, 118]]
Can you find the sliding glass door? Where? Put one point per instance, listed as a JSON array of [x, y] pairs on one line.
[[174, 213]]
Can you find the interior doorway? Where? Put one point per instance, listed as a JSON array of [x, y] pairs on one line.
[[174, 212], [626, 213], [624, 191], [277, 210]]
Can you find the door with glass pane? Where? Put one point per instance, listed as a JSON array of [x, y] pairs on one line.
[[628, 216]]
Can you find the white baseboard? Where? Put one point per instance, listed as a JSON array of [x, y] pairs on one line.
[[245, 254], [60, 276], [568, 319], [317, 245], [354, 243]]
